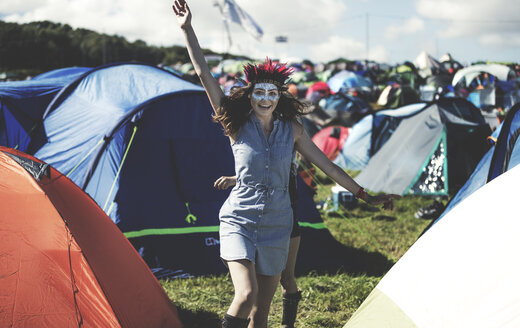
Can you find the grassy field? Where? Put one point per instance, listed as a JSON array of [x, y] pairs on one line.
[[329, 300]]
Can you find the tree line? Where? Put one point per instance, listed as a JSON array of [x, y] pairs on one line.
[[42, 46]]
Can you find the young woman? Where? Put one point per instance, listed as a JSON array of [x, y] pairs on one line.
[[256, 220], [290, 291]]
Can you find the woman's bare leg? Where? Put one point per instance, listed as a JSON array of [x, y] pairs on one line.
[[288, 280], [266, 288], [243, 275]]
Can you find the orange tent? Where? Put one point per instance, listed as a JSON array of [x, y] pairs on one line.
[[64, 262]]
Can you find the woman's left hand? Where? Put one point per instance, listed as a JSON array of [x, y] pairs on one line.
[[387, 200], [224, 182]]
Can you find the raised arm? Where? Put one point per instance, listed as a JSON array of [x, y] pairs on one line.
[[306, 147], [215, 93]]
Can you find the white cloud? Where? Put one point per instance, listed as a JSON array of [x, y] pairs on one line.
[[498, 40], [8, 7], [472, 17], [132, 19], [336, 46], [411, 26], [316, 29], [379, 54], [155, 23]]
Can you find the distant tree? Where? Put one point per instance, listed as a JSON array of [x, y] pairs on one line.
[[42, 46]]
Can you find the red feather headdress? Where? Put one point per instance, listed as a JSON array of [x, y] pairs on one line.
[[267, 72]]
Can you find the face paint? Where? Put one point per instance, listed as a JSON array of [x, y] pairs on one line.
[[264, 98], [265, 91]]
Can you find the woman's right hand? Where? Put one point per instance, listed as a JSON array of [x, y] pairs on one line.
[[182, 11]]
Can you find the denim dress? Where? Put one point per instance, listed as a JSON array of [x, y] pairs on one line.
[[256, 219]]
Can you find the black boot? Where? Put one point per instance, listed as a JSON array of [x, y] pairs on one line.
[[290, 307], [230, 321]]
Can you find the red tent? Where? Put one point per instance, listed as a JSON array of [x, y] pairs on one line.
[[331, 139], [64, 262], [317, 91]]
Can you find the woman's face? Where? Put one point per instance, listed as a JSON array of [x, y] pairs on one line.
[[264, 98]]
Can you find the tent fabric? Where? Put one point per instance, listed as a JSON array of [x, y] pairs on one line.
[[330, 140], [94, 106], [357, 150], [443, 142], [450, 277], [427, 65], [394, 166], [396, 95], [469, 73], [61, 72], [495, 161], [344, 80], [141, 142], [68, 264], [22, 105]]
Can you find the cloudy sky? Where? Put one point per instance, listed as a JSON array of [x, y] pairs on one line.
[[320, 30]]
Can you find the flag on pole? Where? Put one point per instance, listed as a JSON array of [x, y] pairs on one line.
[[234, 13]]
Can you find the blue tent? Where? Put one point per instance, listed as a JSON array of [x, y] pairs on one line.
[[141, 142], [344, 80], [503, 156], [22, 104], [62, 72]]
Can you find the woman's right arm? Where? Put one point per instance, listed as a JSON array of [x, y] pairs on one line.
[[215, 93]]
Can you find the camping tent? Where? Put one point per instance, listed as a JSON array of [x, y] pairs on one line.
[[141, 142], [396, 95], [467, 74], [405, 74], [430, 152], [22, 104], [64, 263], [356, 150], [427, 65], [344, 80], [462, 272], [504, 155], [330, 140], [344, 109]]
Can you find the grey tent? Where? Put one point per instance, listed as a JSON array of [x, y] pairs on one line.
[[431, 152]]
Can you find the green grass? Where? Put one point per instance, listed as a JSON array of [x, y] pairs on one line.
[[329, 300]]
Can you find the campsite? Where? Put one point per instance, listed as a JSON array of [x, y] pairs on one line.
[[109, 153]]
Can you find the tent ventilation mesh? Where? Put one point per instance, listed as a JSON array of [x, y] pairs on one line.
[[432, 179]]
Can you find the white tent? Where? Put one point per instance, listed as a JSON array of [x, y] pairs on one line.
[[463, 272], [426, 64], [469, 73]]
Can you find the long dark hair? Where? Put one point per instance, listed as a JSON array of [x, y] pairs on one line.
[[235, 109]]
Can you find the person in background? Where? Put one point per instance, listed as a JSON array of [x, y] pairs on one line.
[[256, 219]]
